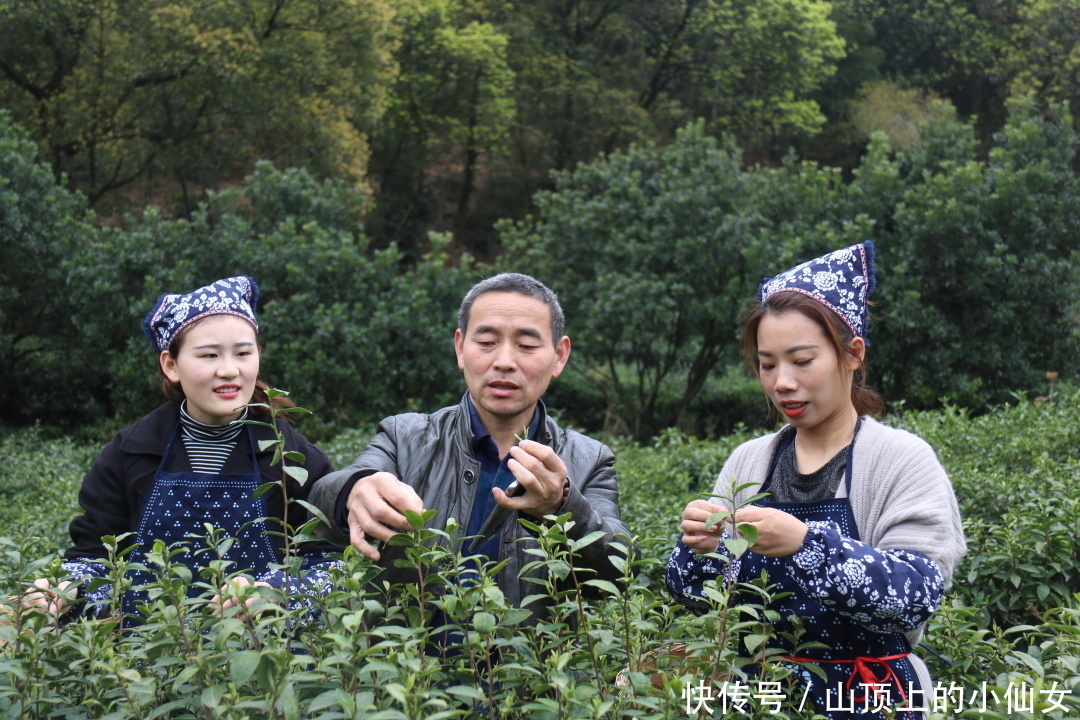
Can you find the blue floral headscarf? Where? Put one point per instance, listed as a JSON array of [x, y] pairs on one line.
[[840, 280], [172, 313]]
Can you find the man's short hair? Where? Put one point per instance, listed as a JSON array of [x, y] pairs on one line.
[[517, 283]]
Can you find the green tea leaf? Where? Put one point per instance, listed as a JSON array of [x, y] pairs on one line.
[[298, 474]]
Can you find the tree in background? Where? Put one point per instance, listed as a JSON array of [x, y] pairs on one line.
[[41, 225], [493, 95], [656, 250], [955, 49], [1044, 58], [185, 94], [449, 116], [980, 263]]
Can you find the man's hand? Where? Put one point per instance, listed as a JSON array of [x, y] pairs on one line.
[[543, 475], [779, 534], [46, 597], [696, 535], [375, 506]]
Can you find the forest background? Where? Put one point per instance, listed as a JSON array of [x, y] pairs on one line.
[[651, 161]]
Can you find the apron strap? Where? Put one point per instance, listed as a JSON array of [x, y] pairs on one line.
[[169, 447], [851, 457], [254, 453], [861, 671]]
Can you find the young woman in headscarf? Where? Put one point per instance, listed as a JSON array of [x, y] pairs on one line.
[[859, 526]]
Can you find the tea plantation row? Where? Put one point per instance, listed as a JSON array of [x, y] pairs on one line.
[[1010, 629]]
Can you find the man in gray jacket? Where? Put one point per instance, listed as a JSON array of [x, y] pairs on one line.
[[469, 461]]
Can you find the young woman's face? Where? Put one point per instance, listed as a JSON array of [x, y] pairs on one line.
[[800, 371], [217, 367]]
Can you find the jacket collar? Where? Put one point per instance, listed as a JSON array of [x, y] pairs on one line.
[[464, 433], [151, 433]]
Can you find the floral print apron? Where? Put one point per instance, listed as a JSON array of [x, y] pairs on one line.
[[864, 669]]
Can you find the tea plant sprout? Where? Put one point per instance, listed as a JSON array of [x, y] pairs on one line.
[[297, 472]]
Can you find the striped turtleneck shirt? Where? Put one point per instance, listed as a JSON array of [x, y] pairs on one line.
[[208, 446]]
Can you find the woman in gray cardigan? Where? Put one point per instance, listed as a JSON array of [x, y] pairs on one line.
[[860, 525]]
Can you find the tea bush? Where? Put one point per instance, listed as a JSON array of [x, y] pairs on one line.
[[1010, 622]]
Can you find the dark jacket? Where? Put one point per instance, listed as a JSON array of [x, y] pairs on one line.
[[434, 455], [113, 492]]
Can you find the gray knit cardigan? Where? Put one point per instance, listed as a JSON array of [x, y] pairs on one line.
[[900, 494]]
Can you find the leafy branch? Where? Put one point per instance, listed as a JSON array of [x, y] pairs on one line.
[[281, 455]]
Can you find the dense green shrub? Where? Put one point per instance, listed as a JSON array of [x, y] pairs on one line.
[[656, 250], [979, 262], [39, 482], [1017, 476], [41, 224], [352, 332]]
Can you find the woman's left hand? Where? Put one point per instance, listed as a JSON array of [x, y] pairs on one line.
[[779, 534]]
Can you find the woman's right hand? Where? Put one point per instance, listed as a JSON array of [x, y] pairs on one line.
[[47, 597], [696, 536]]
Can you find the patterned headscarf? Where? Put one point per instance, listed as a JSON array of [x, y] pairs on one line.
[[172, 313], [841, 281]]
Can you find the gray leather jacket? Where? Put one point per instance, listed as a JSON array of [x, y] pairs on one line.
[[433, 454]]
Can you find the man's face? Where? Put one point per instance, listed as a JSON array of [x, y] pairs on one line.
[[508, 357]]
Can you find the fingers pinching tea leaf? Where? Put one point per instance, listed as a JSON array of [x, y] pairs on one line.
[[417, 521], [717, 518]]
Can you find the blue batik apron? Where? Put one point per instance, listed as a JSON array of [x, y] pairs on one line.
[[855, 656], [178, 505]]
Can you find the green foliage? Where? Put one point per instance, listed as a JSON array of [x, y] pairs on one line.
[[611, 653], [655, 252], [1043, 58], [898, 112], [48, 470], [194, 92], [336, 318], [1017, 475], [447, 124], [762, 60], [41, 224], [979, 268]]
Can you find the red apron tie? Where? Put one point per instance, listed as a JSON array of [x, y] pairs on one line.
[[862, 671]]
